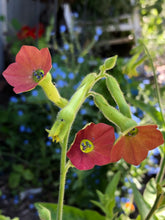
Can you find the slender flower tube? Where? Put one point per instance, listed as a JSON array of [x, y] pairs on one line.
[[117, 95], [31, 69], [67, 115], [134, 144], [92, 146], [112, 114]]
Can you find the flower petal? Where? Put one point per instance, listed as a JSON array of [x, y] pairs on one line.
[[134, 149], [102, 136]]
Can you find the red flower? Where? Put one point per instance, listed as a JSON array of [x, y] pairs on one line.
[[92, 146], [38, 32], [133, 147], [30, 68], [25, 32]]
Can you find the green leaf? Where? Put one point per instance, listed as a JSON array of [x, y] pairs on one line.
[[18, 168], [150, 192], [111, 188], [27, 174], [150, 110], [141, 204], [69, 212], [16, 24], [14, 179]]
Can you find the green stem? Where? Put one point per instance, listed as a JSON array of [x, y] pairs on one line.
[[161, 173], [156, 84], [63, 171], [162, 162]]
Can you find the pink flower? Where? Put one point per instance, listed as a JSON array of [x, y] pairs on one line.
[[92, 146], [30, 68], [133, 146]]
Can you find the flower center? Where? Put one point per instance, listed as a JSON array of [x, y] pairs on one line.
[[38, 75], [86, 146], [133, 132]]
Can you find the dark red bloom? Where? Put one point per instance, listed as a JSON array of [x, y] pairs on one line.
[[38, 31], [133, 146], [30, 68], [25, 32], [92, 146]]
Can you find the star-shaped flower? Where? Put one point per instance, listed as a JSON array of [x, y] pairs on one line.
[[92, 146], [133, 146], [30, 68]]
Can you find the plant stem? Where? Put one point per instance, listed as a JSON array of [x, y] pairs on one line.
[[162, 162], [63, 171]]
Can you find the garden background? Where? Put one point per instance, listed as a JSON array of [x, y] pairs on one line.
[[80, 35]]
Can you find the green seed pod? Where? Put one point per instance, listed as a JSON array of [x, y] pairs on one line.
[[112, 114], [51, 91], [118, 96]]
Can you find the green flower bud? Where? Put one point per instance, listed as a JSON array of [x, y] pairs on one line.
[[67, 115], [118, 96], [51, 91], [112, 114], [108, 64]]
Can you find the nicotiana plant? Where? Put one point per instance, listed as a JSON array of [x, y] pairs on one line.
[[95, 143]]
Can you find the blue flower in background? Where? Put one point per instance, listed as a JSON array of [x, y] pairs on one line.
[[48, 143], [31, 196], [31, 206], [57, 150], [135, 118], [49, 117], [75, 14], [133, 109], [141, 85], [28, 130], [97, 181], [116, 135], [152, 170], [63, 74], [68, 181], [71, 75], [83, 111], [124, 199], [63, 57], [23, 98], [62, 28], [74, 175], [80, 60], [34, 93], [13, 99], [3, 196], [26, 142], [99, 31], [91, 103], [60, 83], [22, 128], [96, 37], [55, 65], [134, 92], [66, 46], [16, 200], [146, 81], [130, 191], [153, 159], [156, 151], [20, 112]]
